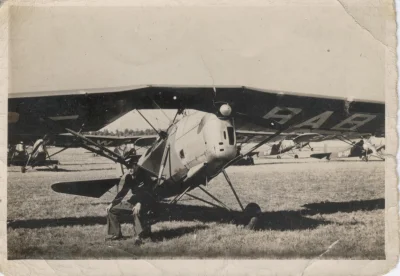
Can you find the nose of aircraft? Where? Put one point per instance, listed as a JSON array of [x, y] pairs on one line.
[[220, 139]]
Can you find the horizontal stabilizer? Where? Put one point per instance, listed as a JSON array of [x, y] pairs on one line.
[[321, 155], [89, 188]]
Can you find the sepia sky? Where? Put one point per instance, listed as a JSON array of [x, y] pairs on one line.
[[328, 48]]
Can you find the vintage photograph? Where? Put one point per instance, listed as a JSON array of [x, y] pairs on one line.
[[252, 131]]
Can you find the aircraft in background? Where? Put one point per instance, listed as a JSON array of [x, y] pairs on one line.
[[362, 149], [200, 146], [289, 143], [18, 155]]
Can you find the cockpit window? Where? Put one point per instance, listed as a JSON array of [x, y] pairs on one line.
[[231, 136]]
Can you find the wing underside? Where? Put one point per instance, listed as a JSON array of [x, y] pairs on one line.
[[68, 140], [91, 110]]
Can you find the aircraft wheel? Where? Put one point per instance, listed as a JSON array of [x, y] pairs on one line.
[[296, 156], [252, 213], [55, 168], [312, 149], [23, 169], [278, 157], [252, 225]]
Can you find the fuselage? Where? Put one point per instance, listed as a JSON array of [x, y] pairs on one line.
[[195, 149]]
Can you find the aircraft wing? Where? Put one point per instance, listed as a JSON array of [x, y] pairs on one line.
[[37, 113], [68, 140], [245, 136]]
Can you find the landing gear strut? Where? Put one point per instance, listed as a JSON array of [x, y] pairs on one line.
[[249, 216], [252, 211]]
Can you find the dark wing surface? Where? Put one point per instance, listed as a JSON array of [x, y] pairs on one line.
[[89, 110]]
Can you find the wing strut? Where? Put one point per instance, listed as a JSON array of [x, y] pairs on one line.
[[163, 163], [178, 197], [205, 201], [101, 150], [161, 133], [233, 189], [216, 199]]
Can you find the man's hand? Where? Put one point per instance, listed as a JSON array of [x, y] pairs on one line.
[[136, 209], [109, 207]]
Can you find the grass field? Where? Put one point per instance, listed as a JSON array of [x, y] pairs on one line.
[[311, 208]]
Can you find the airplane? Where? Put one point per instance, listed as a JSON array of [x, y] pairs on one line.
[[362, 149], [200, 146], [39, 156], [18, 155], [287, 143]]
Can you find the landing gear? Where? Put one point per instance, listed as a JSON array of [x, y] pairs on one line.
[[252, 211], [55, 168], [251, 161], [249, 216], [252, 214], [278, 157], [296, 156], [23, 169]]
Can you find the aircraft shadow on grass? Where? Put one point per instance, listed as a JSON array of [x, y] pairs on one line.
[[277, 220], [346, 207], [323, 161]]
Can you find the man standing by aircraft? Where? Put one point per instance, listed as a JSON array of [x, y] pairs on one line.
[[141, 205]]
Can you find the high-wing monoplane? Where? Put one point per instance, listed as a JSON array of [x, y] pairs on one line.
[[195, 149], [362, 149], [288, 143], [38, 156], [18, 155]]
